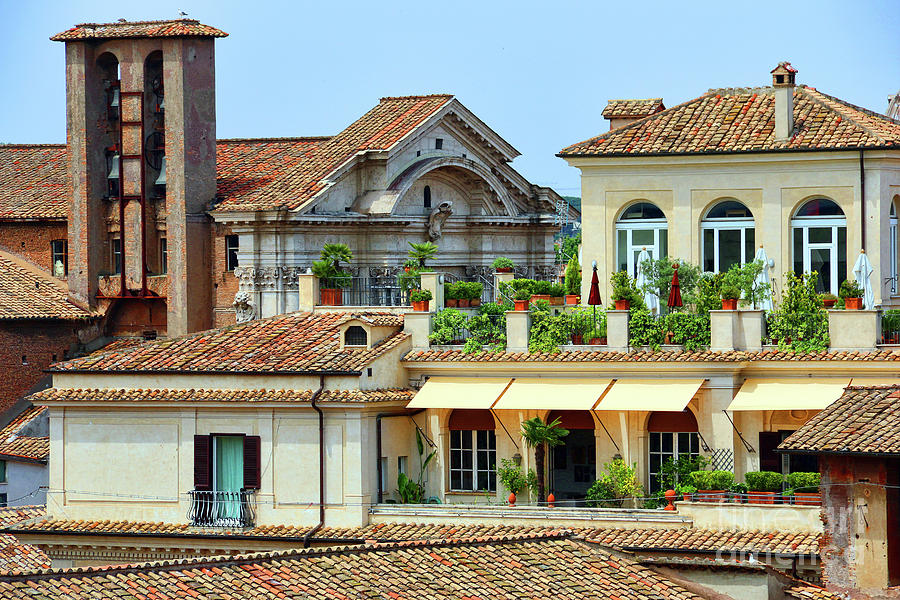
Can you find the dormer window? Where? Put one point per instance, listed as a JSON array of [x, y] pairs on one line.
[[356, 336]]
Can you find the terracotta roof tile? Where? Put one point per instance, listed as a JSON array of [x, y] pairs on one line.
[[297, 174], [743, 120], [16, 514], [807, 591], [778, 542], [863, 420], [588, 356], [27, 292], [550, 565], [632, 108], [33, 181], [218, 395], [291, 343], [138, 29], [18, 557], [13, 443]]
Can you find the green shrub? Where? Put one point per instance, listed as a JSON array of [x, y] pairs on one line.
[[850, 289], [573, 276], [729, 292], [692, 330], [803, 482], [511, 476], [721, 480], [420, 295], [501, 262], [659, 278], [744, 278], [547, 331], [522, 294], [446, 326], [541, 288], [557, 290], [764, 481], [625, 288], [472, 289], [700, 479], [644, 329], [614, 484]]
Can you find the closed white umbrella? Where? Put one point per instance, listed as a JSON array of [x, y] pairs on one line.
[[763, 279], [650, 299], [862, 272]]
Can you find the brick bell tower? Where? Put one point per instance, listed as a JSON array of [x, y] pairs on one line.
[[141, 138]]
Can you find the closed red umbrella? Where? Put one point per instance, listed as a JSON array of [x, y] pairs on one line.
[[594, 296], [675, 289]]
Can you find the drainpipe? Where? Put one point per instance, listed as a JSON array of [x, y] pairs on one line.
[[378, 419], [862, 197], [315, 406]]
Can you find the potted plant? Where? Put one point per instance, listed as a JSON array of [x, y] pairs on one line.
[[332, 277], [616, 483], [804, 487], [461, 293], [687, 491], [573, 281], [828, 299], [419, 299], [738, 493], [540, 291], [521, 299], [540, 436], [762, 486], [450, 299], [502, 264], [852, 294], [623, 290], [421, 252], [712, 485], [730, 295], [473, 290], [557, 294], [597, 335]]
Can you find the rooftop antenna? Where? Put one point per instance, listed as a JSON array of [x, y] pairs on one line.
[[893, 110]]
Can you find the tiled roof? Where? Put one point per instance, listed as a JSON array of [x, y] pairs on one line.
[[138, 29], [15, 514], [810, 592], [212, 395], [632, 108], [778, 542], [298, 174], [33, 181], [17, 557], [14, 444], [26, 292], [588, 356], [701, 540], [864, 420], [291, 343], [743, 120], [496, 568]]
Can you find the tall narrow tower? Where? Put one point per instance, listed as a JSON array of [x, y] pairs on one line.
[[141, 121]]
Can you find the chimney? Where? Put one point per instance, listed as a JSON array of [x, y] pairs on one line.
[[622, 112], [783, 81]]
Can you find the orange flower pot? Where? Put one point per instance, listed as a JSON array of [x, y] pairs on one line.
[[332, 297], [853, 303]]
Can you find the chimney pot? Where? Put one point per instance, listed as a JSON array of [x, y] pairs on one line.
[[783, 80]]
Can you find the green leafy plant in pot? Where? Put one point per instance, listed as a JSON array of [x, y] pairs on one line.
[[413, 492], [763, 485], [502, 264], [712, 485], [614, 485], [573, 281], [730, 295], [422, 251], [332, 277], [804, 488], [624, 291], [420, 299], [514, 479], [521, 299], [852, 293]]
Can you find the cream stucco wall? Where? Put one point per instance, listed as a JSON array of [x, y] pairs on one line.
[[772, 186]]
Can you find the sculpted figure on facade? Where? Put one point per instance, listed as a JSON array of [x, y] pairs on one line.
[[437, 218], [243, 307]]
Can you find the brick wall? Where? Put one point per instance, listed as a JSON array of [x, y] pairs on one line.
[[31, 239], [38, 342], [225, 284]]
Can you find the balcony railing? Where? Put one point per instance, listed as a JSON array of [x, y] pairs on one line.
[[362, 291], [222, 509]]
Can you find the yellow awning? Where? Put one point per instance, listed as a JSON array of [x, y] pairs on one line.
[[788, 394], [650, 394], [542, 393], [459, 392]]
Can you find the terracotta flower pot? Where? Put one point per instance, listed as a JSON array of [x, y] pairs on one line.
[[505, 270], [556, 300], [829, 302], [807, 498], [463, 303], [475, 302], [622, 304], [594, 341], [573, 299], [332, 297], [603, 340], [729, 303], [451, 302], [420, 305], [711, 495], [511, 499], [577, 339], [761, 497], [853, 303], [687, 497], [536, 297], [520, 305]]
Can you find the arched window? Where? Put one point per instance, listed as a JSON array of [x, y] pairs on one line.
[[427, 196], [819, 233], [356, 336], [893, 246], [672, 434], [728, 236], [473, 451], [641, 226]]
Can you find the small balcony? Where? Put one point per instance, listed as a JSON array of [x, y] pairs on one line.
[[222, 509]]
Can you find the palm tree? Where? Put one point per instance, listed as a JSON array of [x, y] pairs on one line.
[[422, 252], [538, 434]]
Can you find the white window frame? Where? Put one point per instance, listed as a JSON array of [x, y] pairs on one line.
[[807, 223], [893, 248], [474, 450], [651, 476], [717, 225], [629, 227]]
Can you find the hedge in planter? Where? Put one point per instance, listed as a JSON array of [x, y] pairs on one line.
[[800, 324], [762, 486], [614, 485], [693, 331], [804, 487], [712, 481], [644, 329], [487, 328]]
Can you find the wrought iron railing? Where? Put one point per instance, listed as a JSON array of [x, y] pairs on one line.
[[362, 291], [486, 329], [890, 327], [794, 327], [585, 327], [211, 508]]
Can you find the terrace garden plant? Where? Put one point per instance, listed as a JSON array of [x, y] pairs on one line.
[[804, 488], [687, 329], [422, 251], [644, 329], [828, 299], [420, 299], [730, 295], [413, 492], [763, 485], [502, 264], [333, 278], [522, 298], [548, 331], [540, 435], [573, 280], [851, 292], [541, 289], [659, 278], [799, 323], [624, 291], [487, 328], [745, 279], [614, 485], [447, 327], [712, 485], [515, 480]]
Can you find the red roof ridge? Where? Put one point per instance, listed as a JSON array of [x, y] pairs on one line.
[[35, 145], [414, 96], [254, 557], [302, 138], [847, 110]]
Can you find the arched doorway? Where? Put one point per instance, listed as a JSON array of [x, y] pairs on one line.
[[672, 434], [819, 230], [573, 465]]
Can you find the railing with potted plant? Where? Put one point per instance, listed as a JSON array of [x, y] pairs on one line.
[[361, 291], [333, 279], [759, 487], [800, 323], [890, 327], [487, 328]]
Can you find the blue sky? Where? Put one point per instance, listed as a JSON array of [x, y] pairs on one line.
[[539, 73]]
